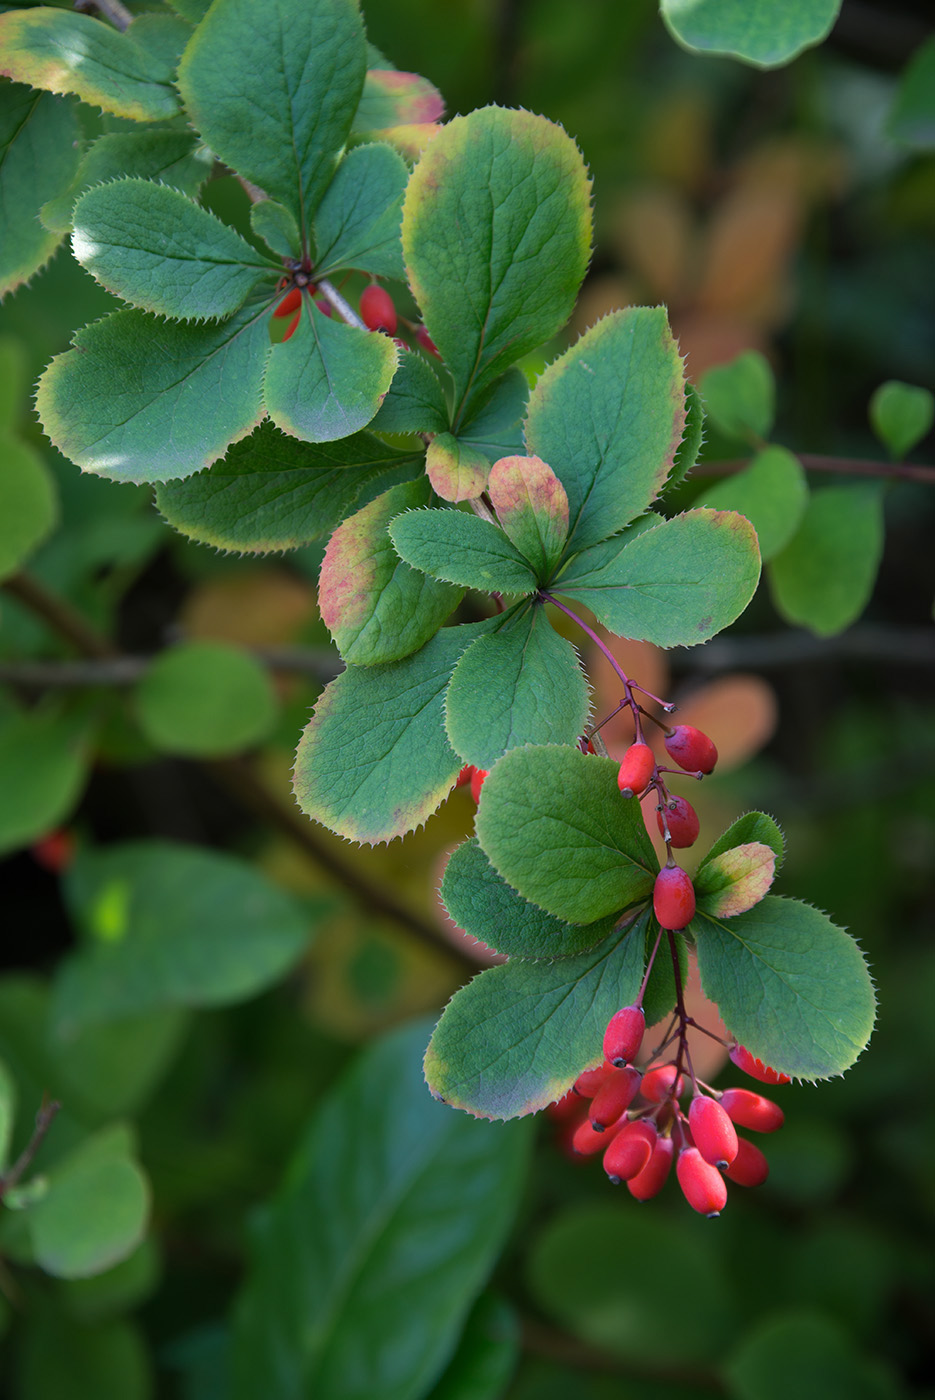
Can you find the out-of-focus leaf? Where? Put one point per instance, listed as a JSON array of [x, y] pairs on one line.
[[205, 698]]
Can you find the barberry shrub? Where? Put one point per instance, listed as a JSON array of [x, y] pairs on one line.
[[467, 513]]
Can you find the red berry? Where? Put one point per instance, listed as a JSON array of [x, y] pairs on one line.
[[712, 1131], [650, 1181], [673, 898], [756, 1069], [292, 326], [477, 782], [637, 767], [56, 851], [749, 1167], [377, 310], [682, 821], [323, 306], [614, 1097], [702, 1185], [290, 302], [426, 341], [464, 777], [588, 1083], [691, 749], [657, 1084], [630, 1151], [586, 1141], [624, 1035], [752, 1110], [564, 1109]]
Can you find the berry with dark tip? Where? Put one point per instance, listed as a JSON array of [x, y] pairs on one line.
[[630, 1151], [752, 1111], [614, 1097], [682, 821], [712, 1131], [624, 1035], [702, 1184], [637, 767], [691, 749], [377, 310]]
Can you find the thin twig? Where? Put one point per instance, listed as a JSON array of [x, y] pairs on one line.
[[44, 1120], [317, 663], [119, 16], [63, 619], [334, 298], [841, 466], [867, 642]]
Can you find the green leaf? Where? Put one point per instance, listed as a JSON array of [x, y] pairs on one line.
[[368, 1297], [96, 1208], [112, 1067], [7, 1112], [174, 157], [532, 507], [205, 698], [374, 761], [736, 880], [772, 493], [677, 584], [687, 452], [516, 1037], [824, 577], [804, 1353], [377, 608], [328, 380], [272, 492], [752, 826], [416, 400], [461, 548], [43, 766], [154, 247], [359, 220], [66, 52], [740, 397], [106, 403], [28, 503], [192, 10], [484, 906], [553, 823], [60, 1356], [169, 925], [457, 472], [911, 118], [766, 35], [496, 237], [519, 685], [487, 1354], [608, 417], [116, 1290], [790, 985], [901, 415], [39, 136], [299, 74], [493, 418], [277, 227], [391, 99], [14, 380]]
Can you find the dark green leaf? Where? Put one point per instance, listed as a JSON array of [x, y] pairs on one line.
[[39, 153], [367, 1297], [553, 823], [7, 1112], [359, 220], [205, 699], [692, 437], [767, 34], [461, 548], [28, 503], [805, 1354], [911, 118], [14, 381], [487, 1354], [516, 1037], [493, 420], [740, 397], [43, 766], [772, 493], [63, 1357], [824, 577], [416, 400], [277, 226]]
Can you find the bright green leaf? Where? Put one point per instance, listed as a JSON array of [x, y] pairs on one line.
[[66, 52], [516, 1037], [368, 1297], [205, 698], [532, 507], [377, 608], [374, 761], [170, 925], [752, 826], [767, 34], [772, 493], [359, 220], [60, 1356], [39, 154], [43, 766], [106, 403], [519, 685], [484, 906], [736, 880], [677, 584], [272, 492], [28, 503], [457, 472], [901, 414], [553, 823], [911, 118], [328, 380], [790, 985], [493, 419], [416, 400], [496, 237], [740, 397], [824, 577], [608, 417], [298, 75], [461, 548], [277, 226], [154, 247]]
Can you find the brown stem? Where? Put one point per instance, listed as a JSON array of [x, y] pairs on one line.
[[44, 1120], [842, 466], [60, 616], [317, 663], [119, 16]]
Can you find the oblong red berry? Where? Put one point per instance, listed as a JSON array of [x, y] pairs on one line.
[[657, 1084], [756, 1069], [712, 1131], [752, 1110], [477, 782], [691, 749], [290, 303], [377, 310], [426, 341], [673, 898], [749, 1167], [614, 1097], [702, 1185], [650, 1181], [565, 1109], [464, 777], [630, 1151], [292, 326], [590, 1080], [586, 1141], [636, 769], [624, 1035], [682, 821]]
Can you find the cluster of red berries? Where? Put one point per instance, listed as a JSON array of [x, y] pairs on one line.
[[636, 1120], [377, 311]]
